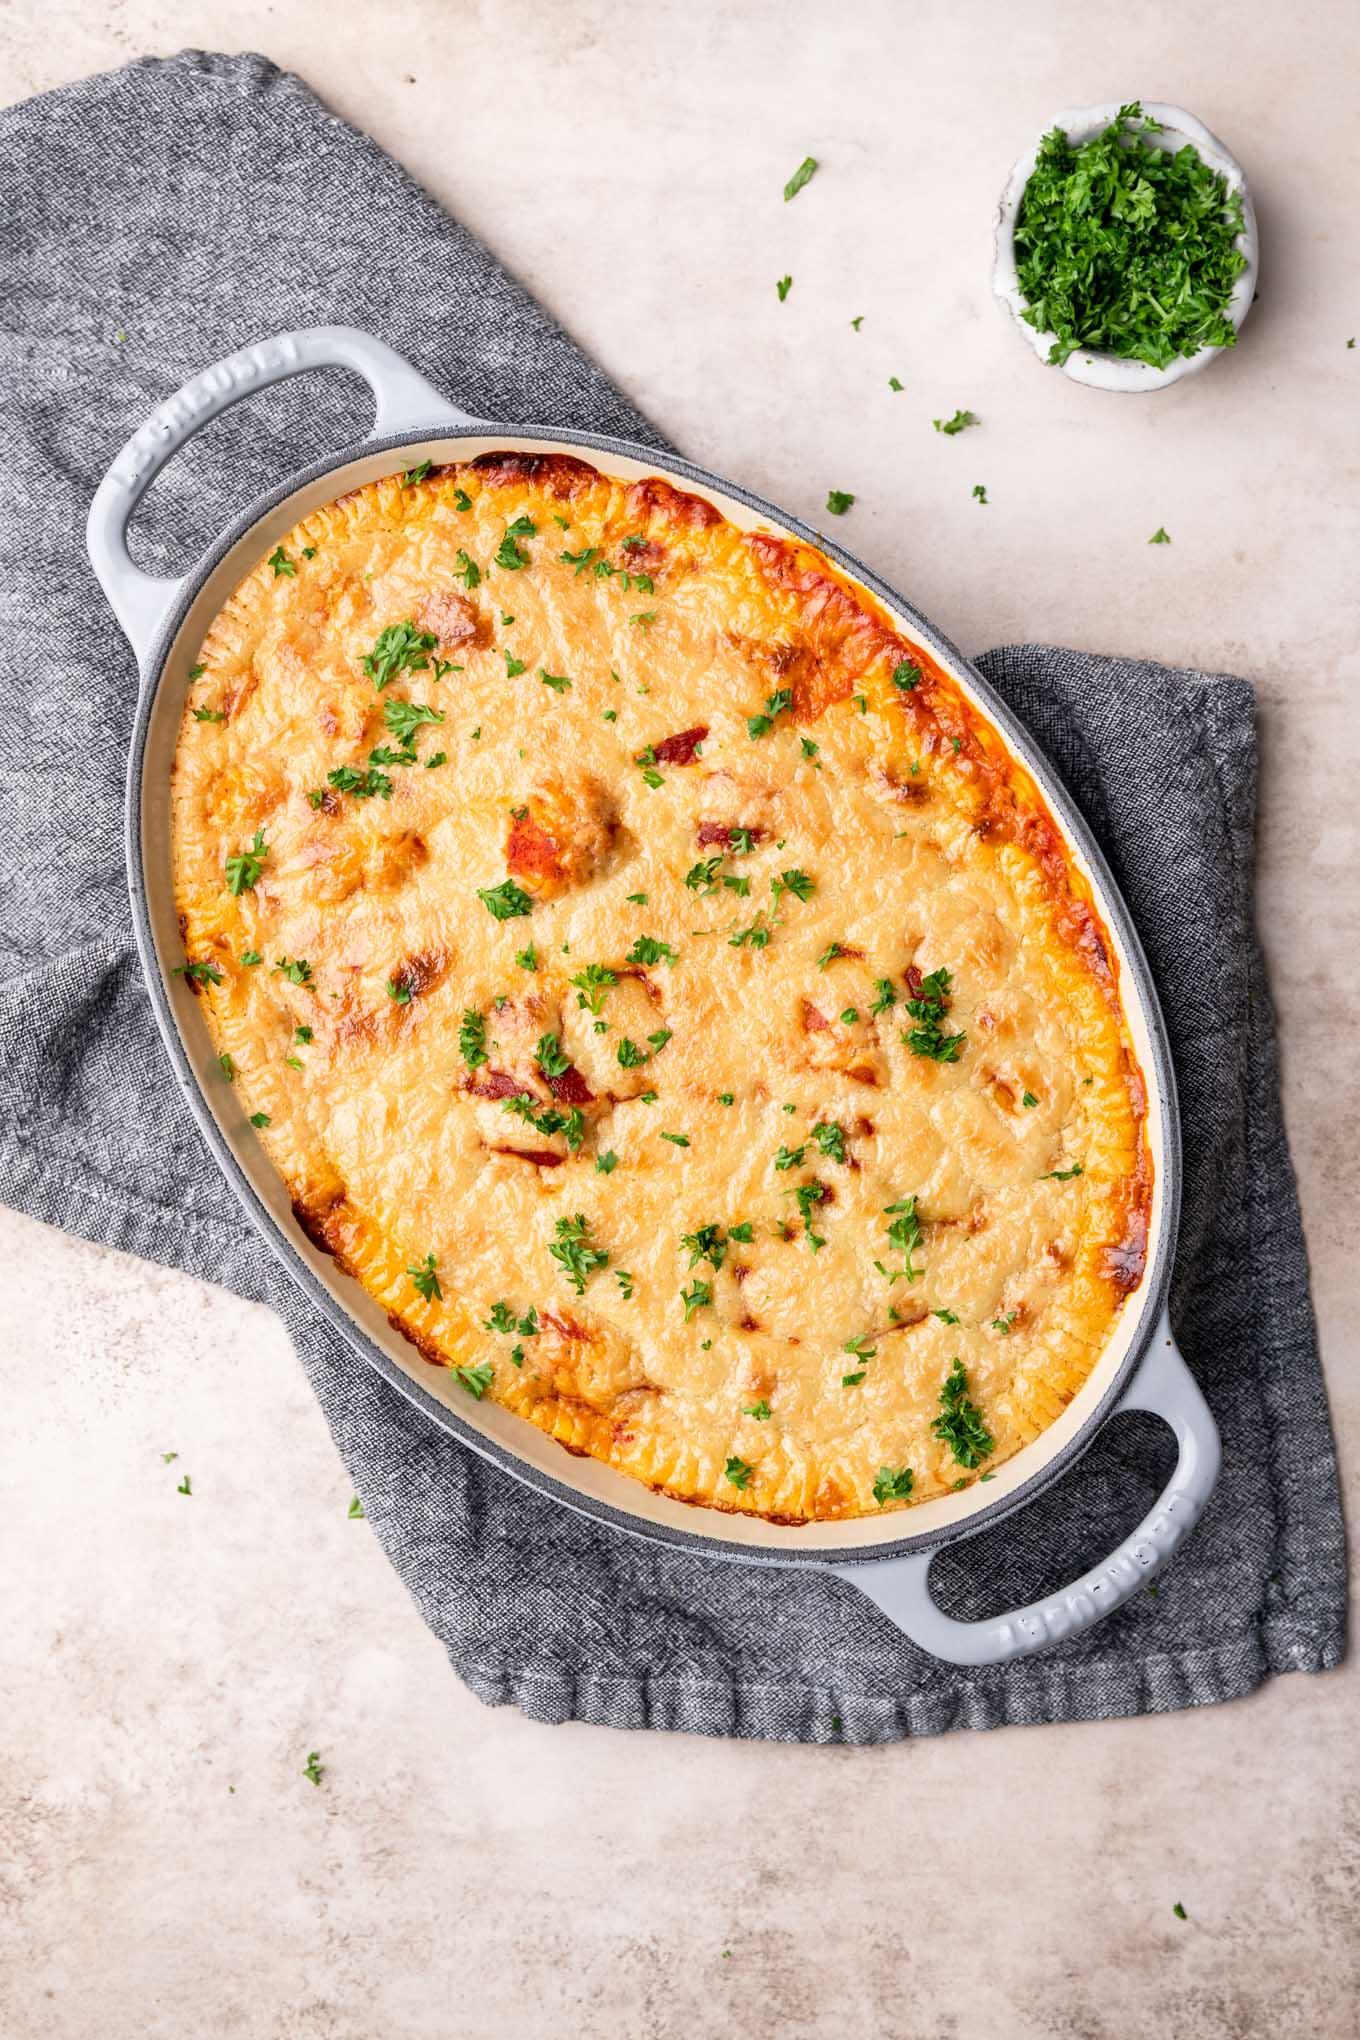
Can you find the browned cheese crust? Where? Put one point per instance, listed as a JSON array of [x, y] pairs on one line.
[[693, 1158]]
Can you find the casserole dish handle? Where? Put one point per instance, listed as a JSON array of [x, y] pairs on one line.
[[403, 400], [1164, 1385]]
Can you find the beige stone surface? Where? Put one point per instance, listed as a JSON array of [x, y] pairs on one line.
[[169, 1661]]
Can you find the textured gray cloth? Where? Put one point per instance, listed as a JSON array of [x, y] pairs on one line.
[[157, 218]]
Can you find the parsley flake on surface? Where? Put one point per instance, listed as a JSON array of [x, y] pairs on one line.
[[960, 422], [885, 995], [472, 1039], [244, 869], [960, 1425], [404, 718], [1161, 536], [296, 969], [1178, 1909], [893, 1484], [197, 672], [469, 573], [1028, 1100], [738, 1472], [906, 675], [946, 1317], [506, 901], [796, 882], [980, 491], [1125, 248], [260, 1119], [476, 1380], [549, 1057], [647, 950], [461, 500], [314, 1768], [606, 1163], [591, 985], [558, 682], [776, 705], [839, 501], [198, 973], [830, 1138], [928, 1009], [677, 1139], [401, 648], [759, 1410], [281, 563], [355, 1511], [513, 666], [575, 1253], [1062, 1175], [784, 286], [905, 1234], [425, 1279], [210, 715], [398, 991], [696, 1297], [416, 474], [804, 174]]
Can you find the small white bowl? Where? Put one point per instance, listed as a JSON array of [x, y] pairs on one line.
[[1108, 371]]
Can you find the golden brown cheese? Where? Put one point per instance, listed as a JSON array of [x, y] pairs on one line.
[[737, 824]]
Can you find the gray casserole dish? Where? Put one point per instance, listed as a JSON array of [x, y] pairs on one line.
[[888, 1559]]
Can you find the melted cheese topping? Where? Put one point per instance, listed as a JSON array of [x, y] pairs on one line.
[[687, 1063]]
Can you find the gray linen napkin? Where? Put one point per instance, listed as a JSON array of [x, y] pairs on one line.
[[154, 220]]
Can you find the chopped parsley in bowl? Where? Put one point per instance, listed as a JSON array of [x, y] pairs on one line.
[[1127, 247]]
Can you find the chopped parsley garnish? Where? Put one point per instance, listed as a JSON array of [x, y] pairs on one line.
[[260, 1119], [416, 474], [703, 876], [509, 554], [742, 842], [303, 1034], [905, 1234], [369, 784], [251, 956], [946, 1317], [355, 1511], [1161, 536], [906, 674], [309, 552], [894, 384], [759, 1410], [575, 1253], [398, 991], [857, 322], [839, 501], [796, 882], [807, 1196], [829, 955], [892, 1484], [314, 1768], [706, 1243], [502, 1318], [606, 1163], [726, 1097], [281, 563], [570, 1124], [296, 969], [227, 1067], [625, 1282], [513, 666], [1062, 1175], [549, 1057], [210, 715], [644, 619], [198, 973], [696, 1297], [757, 936], [425, 1279], [469, 573], [980, 491], [506, 901], [804, 174], [738, 1472], [784, 286], [1003, 1324], [558, 682], [1126, 248], [648, 950], [461, 500], [1028, 1100], [885, 995], [580, 560], [810, 750], [401, 648], [404, 718], [197, 672], [436, 758], [476, 1380], [960, 1425], [631, 1057], [527, 959], [830, 1138], [677, 1139], [778, 704], [1178, 1909], [591, 985], [245, 868], [789, 1158], [928, 1009], [960, 422], [472, 1038], [850, 1016]]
